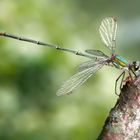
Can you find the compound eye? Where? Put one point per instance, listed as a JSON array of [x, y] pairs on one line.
[[136, 65]]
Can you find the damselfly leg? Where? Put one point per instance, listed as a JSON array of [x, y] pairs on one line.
[[116, 82], [128, 79]]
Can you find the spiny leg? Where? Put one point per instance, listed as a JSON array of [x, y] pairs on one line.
[[116, 82], [122, 80], [130, 72], [133, 73]]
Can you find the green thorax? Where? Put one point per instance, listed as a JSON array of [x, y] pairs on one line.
[[120, 62]]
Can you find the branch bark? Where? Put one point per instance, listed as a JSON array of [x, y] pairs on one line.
[[123, 122]]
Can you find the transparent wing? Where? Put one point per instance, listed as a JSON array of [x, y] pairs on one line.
[[96, 53], [85, 65], [108, 29], [78, 79], [91, 63]]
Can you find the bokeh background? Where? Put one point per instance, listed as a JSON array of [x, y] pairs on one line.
[[30, 75]]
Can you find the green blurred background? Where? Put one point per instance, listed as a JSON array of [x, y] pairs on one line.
[[30, 75]]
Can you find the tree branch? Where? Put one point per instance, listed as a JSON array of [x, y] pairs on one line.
[[123, 122]]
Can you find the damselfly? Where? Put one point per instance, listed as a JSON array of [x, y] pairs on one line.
[[107, 29]]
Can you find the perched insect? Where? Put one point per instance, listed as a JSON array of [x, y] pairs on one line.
[[108, 29]]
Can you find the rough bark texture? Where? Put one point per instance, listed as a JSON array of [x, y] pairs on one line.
[[123, 122]]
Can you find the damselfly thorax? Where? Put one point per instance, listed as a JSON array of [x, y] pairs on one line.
[[121, 63], [117, 61]]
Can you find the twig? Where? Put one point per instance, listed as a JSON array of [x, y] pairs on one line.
[[123, 122]]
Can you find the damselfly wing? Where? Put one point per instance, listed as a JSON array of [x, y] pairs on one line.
[[79, 78], [107, 31]]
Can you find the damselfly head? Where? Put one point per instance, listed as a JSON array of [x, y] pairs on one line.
[[136, 65]]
